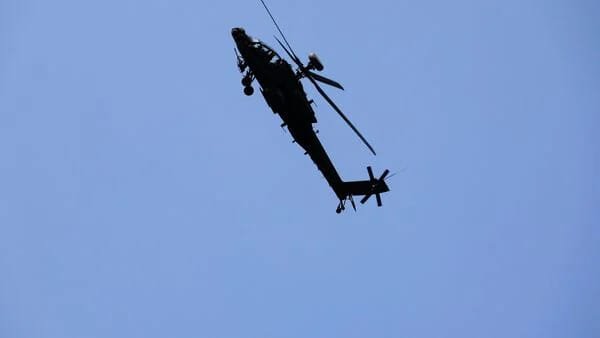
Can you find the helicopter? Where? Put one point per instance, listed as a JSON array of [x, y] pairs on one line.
[[283, 91]]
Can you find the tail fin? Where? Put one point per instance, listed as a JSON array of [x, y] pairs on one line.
[[372, 186]]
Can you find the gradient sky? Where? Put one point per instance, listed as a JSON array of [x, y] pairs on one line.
[[143, 195]]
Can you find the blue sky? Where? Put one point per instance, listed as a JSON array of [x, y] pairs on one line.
[[143, 195]]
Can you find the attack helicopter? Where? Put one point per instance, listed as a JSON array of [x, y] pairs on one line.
[[283, 91]]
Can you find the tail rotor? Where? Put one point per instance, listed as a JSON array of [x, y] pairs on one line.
[[377, 187]]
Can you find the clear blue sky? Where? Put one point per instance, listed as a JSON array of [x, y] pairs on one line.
[[143, 195]]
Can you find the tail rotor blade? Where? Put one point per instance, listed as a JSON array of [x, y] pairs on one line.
[[364, 199], [378, 197], [370, 171], [385, 173]]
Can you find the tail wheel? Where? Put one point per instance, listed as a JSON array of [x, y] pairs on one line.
[[248, 90], [340, 207]]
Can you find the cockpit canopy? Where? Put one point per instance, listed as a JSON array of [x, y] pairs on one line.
[[245, 42], [273, 56]]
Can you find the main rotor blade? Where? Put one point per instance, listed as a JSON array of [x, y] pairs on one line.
[[278, 29], [306, 72], [334, 106], [290, 54], [296, 60], [325, 80], [392, 175]]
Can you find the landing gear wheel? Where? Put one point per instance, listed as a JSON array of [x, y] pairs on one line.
[[248, 90], [246, 81], [340, 207]]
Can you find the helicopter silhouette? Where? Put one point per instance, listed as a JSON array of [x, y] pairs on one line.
[[282, 89]]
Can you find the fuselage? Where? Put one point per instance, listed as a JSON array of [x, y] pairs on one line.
[[280, 85], [284, 93]]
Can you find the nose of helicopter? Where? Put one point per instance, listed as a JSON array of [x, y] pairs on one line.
[[242, 40], [237, 32]]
